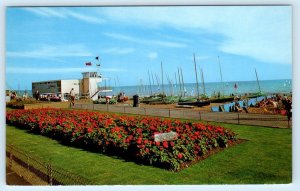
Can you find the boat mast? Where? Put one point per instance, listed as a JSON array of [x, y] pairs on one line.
[[153, 82], [150, 83], [197, 85], [202, 77], [162, 79], [179, 81], [157, 81], [175, 87], [182, 82], [170, 84], [257, 81], [221, 76], [119, 84]]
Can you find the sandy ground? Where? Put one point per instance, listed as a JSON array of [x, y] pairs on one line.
[[12, 178], [203, 108], [143, 105]]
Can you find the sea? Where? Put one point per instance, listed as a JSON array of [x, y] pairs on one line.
[[211, 88]]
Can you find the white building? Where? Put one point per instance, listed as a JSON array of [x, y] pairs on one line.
[[87, 87]]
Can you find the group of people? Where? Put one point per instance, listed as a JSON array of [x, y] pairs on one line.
[[14, 95], [277, 103], [37, 96], [122, 97]]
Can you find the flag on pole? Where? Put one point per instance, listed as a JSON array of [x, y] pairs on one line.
[[88, 63], [97, 58]]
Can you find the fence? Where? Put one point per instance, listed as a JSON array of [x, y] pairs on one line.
[[37, 172], [267, 120]]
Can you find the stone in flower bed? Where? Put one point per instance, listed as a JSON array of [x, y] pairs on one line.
[[130, 137]]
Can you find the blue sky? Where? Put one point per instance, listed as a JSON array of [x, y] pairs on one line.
[[48, 43]]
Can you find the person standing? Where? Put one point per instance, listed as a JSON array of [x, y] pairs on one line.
[[72, 96], [288, 108], [37, 95]]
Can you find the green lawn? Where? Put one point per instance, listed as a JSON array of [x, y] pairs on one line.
[[265, 159]]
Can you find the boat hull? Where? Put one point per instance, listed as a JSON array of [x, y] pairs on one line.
[[197, 103], [222, 100]]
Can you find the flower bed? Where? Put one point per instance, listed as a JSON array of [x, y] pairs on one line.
[[130, 137]]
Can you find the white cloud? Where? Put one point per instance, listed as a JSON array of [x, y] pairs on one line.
[[143, 41], [82, 17], [51, 51], [25, 70], [46, 12], [152, 55], [260, 32], [118, 50], [64, 13], [263, 33]]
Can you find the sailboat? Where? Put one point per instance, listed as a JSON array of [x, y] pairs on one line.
[[222, 98], [162, 97], [259, 93], [198, 102]]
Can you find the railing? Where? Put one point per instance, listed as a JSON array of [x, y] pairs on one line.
[[225, 117], [37, 172]]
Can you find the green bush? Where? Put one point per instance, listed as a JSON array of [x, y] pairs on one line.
[[103, 101], [19, 103]]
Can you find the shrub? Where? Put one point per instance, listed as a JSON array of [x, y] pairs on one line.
[[19, 103]]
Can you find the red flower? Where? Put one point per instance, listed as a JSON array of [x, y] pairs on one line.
[[122, 131], [172, 144], [145, 141], [139, 141], [179, 156], [147, 150], [165, 144], [89, 129]]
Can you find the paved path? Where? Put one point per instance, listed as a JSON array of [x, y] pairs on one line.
[[13, 178], [266, 120]]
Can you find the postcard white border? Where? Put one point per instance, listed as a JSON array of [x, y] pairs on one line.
[[296, 91]]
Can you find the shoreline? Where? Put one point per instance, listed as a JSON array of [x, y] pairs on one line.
[[206, 108]]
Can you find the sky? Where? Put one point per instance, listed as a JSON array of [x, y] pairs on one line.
[[51, 43]]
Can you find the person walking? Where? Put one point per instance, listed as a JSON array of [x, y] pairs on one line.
[[72, 96]]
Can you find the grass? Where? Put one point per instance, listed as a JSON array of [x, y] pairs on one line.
[[266, 158]]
